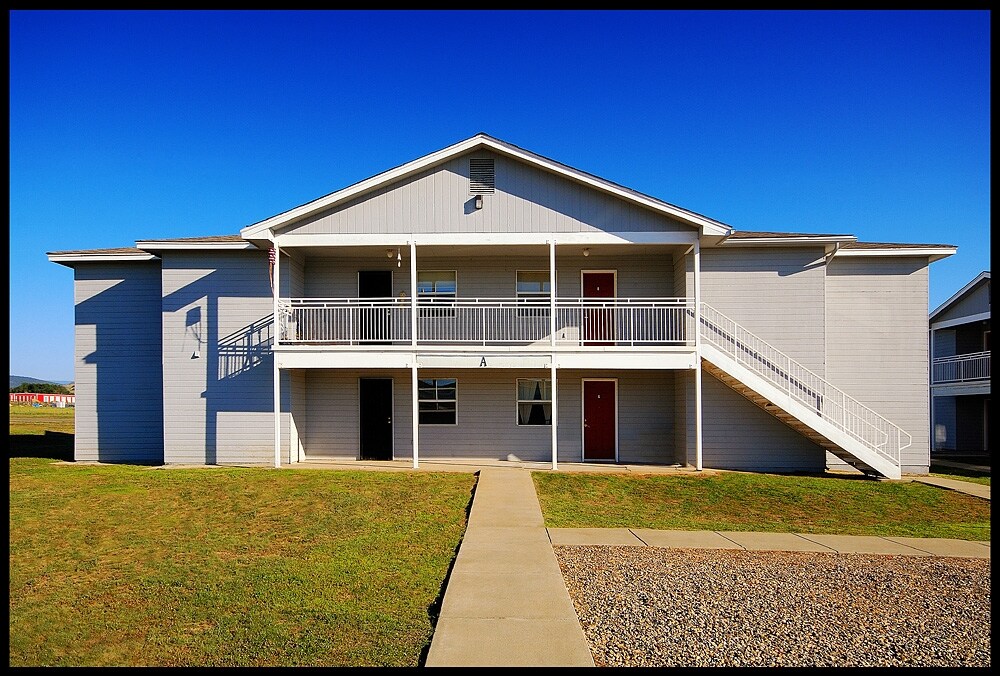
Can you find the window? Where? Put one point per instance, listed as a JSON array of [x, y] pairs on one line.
[[533, 289], [438, 401], [534, 401], [437, 287]]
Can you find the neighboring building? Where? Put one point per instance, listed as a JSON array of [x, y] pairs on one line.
[[484, 301], [960, 370], [57, 400]]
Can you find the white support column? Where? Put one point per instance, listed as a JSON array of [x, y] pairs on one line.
[[930, 377], [552, 344], [697, 347], [413, 296], [555, 416], [552, 301], [277, 371], [416, 412]]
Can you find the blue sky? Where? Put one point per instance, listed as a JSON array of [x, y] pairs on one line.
[[159, 124]]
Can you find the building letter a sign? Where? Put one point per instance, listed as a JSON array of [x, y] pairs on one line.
[[482, 362]]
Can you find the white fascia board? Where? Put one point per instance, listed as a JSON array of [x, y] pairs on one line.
[[982, 316], [961, 292], [486, 238], [707, 225], [70, 259], [931, 253], [184, 246], [785, 241]]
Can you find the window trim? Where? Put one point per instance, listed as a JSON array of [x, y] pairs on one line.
[[528, 309], [419, 400], [518, 401], [429, 311]]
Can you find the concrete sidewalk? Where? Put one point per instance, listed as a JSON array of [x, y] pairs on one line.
[[787, 542], [967, 487], [506, 602]]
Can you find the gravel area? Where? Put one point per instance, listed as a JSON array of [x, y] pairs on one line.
[[650, 606]]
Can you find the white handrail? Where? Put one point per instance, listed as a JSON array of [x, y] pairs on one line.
[[798, 382], [621, 322]]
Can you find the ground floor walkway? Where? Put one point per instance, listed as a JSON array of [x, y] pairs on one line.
[[506, 603]]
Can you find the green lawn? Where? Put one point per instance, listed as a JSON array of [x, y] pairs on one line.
[[25, 419], [760, 502], [129, 565]]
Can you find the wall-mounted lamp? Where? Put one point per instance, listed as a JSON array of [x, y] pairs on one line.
[[388, 253], [399, 259], [586, 252], [196, 355], [479, 201]]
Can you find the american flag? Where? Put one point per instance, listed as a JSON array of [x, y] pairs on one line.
[[271, 256]]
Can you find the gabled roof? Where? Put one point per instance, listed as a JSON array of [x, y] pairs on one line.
[[261, 229], [961, 293]]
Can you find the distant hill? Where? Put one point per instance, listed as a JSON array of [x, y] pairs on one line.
[[19, 380]]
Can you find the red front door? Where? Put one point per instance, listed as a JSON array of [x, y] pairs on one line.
[[599, 434], [598, 317]]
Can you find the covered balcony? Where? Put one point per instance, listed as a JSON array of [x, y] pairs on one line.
[[962, 368], [527, 322]]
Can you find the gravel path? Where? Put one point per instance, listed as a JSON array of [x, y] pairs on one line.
[[650, 606]]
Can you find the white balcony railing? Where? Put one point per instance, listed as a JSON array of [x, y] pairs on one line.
[[962, 368], [487, 321]]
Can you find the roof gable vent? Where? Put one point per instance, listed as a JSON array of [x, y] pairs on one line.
[[482, 176]]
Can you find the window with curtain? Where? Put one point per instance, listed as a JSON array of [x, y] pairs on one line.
[[534, 401]]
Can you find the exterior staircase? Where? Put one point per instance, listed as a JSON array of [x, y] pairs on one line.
[[799, 398]]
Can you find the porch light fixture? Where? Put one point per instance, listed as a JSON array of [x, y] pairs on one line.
[[388, 253], [586, 252], [479, 201]]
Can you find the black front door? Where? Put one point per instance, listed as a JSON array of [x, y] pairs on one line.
[[376, 418], [375, 325]]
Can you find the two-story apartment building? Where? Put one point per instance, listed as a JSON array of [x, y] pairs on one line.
[[484, 302], [960, 370]]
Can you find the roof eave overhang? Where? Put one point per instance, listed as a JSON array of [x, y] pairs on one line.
[[186, 246], [787, 241], [266, 228], [71, 259], [931, 253]]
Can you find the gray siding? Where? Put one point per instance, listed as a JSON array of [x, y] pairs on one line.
[[218, 407], [945, 344], [777, 294], [118, 375], [293, 276], [945, 417], [737, 435], [975, 302], [494, 275], [876, 349], [331, 428], [646, 415], [527, 199], [487, 416]]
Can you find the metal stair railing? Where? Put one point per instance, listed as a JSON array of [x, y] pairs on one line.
[[811, 390]]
